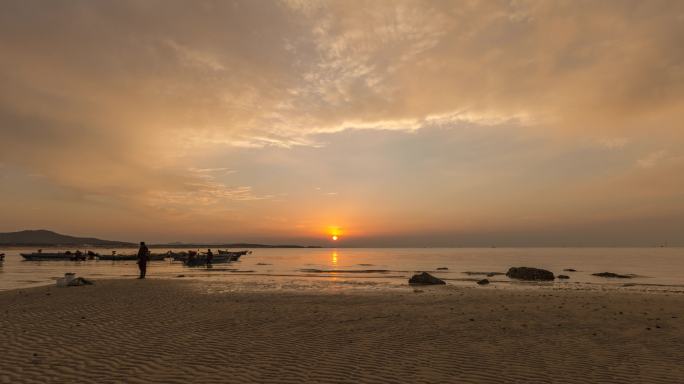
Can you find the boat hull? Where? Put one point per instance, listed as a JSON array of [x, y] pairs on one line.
[[118, 257], [222, 257], [57, 256]]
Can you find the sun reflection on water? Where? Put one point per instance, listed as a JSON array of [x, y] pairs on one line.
[[334, 258]]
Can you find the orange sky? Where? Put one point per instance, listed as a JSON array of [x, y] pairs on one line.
[[397, 122]]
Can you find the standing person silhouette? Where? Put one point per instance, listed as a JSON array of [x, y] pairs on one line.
[[143, 258]]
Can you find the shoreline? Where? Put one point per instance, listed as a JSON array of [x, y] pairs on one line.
[[655, 270], [181, 330], [390, 283]]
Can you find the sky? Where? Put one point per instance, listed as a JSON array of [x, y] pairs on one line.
[[388, 123]]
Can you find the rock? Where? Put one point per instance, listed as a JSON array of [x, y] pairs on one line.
[[569, 270], [425, 279], [526, 273], [563, 276], [442, 269], [483, 282], [613, 275]]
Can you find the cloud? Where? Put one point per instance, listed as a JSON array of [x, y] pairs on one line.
[[126, 100], [573, 67], [650, 160], [613, 142]]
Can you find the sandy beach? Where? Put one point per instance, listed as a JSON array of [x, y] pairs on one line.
[[175, 331]]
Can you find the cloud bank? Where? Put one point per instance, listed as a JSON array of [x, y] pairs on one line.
[[115, 107]]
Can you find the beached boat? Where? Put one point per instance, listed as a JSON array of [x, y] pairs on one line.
[[80, 256], [153, 257], [57, 256], [115, 257], [159, 256], [193, 259], [239, 253], [202, 260]]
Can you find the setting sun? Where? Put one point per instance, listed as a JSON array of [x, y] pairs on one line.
[[334, 232]]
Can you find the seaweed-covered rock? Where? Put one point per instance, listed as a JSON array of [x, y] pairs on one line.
[[563, 276], [527, 273], [483, 282], [613, 275], [570, 270], [425, 279]]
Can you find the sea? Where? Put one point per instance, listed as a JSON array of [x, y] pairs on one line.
[[339, 269]]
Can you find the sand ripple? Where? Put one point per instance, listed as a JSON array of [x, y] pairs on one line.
[[173, 332]]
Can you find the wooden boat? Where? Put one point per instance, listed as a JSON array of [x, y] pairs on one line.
[[239, 253], [79, 256], [115, 257], [194, 259], [202, 260], [55, 256], [159, 256]]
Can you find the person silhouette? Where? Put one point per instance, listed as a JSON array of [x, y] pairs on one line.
[[143, 258], [210, 256]]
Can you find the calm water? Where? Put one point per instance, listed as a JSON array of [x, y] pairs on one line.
[[658, 268]]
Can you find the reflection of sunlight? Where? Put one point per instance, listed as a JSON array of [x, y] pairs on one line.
[[333, 258]]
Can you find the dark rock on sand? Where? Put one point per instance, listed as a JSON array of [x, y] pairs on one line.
[[613, 275], [569, 270], [442, 269], [527, 273], [425, 279], [483, 282], [563, 276]]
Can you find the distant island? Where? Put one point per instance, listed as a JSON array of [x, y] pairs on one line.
[[46, 238], [229, 245]]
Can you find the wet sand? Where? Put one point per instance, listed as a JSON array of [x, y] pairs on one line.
[[173, 331]]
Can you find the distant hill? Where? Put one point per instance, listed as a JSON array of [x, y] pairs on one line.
[[228, 245], [44, 237]]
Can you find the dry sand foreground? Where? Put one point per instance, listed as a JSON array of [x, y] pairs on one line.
[[171, 332]]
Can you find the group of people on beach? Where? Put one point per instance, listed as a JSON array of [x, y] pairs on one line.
[[192, 256], [144, 258]]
